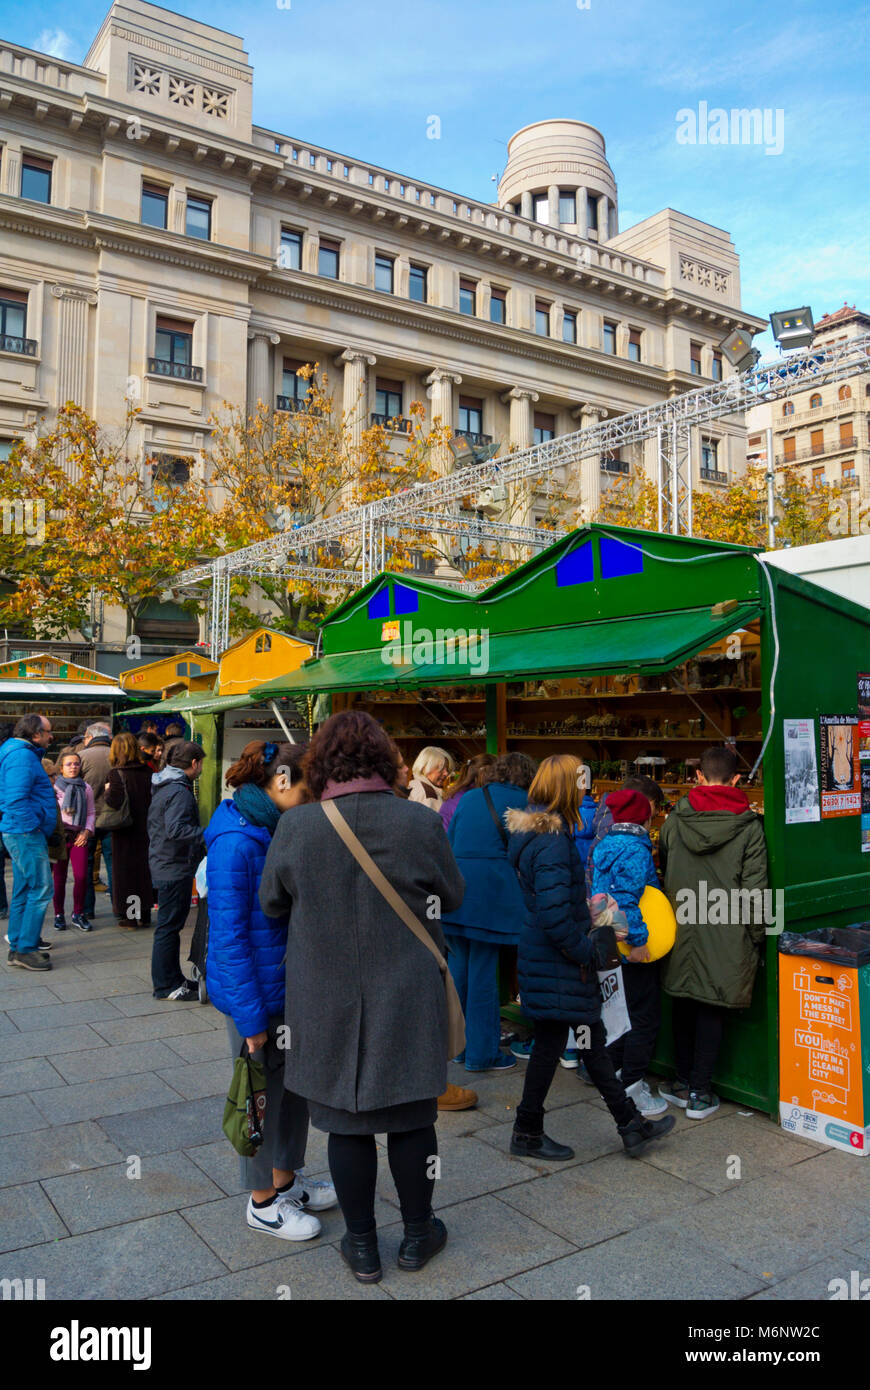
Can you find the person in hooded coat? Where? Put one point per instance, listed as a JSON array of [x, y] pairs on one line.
[[175, 847], [712, 840]]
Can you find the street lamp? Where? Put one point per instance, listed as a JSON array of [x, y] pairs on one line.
[[793, 328]]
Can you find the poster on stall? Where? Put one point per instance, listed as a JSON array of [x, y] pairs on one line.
[[839, 765], [801, 778], [865, 808], [864, 716]]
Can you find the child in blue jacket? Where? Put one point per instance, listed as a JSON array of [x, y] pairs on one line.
[[622, 865]]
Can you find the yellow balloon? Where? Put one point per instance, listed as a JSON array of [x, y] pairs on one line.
[[657, 913]]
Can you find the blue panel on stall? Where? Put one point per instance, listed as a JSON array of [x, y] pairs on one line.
[[575, 567], [618, 559], [405, 600], [379, 603]]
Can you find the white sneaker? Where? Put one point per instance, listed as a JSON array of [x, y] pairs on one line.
[[646, 1102], [311, 1194], [284, 1219]]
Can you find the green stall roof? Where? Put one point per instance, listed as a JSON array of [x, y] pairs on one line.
[[200, 702], [343, 671]]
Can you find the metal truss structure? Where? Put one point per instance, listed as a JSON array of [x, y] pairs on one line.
[[434, 506]]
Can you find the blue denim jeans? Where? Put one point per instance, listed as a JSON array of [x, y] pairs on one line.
[[474, 967], [32, 888]]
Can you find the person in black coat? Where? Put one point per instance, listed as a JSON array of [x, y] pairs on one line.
[[560, 954], [132, 893], [175, 846]]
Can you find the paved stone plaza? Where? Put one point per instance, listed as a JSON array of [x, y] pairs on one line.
[[94, 1073]]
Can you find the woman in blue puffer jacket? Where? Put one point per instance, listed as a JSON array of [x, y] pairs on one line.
[[245, 979], [560, 954]]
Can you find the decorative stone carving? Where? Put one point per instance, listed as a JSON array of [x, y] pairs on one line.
[[707, 276]]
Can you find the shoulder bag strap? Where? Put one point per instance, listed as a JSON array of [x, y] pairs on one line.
[[383, 885], [499, 825]]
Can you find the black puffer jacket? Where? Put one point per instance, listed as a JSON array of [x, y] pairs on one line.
[[175, 837], [557, 963]]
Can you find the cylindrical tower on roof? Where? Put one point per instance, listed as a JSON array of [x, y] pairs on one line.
[[557, 174]]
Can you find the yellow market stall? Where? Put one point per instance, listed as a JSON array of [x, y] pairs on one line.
[[67, 694]]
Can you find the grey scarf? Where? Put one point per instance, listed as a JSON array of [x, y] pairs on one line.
[[75, 799]]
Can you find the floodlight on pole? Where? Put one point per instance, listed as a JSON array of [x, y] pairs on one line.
[[793, 328], [738, 348]]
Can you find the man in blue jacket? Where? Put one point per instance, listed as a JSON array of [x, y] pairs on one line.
[[29, 816]]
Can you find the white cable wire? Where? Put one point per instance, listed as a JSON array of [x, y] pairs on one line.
[[773, 670]]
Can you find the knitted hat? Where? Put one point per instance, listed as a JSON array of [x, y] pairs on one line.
[[628, 806]]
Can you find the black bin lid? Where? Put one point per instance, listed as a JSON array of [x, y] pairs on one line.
[[848, 946]]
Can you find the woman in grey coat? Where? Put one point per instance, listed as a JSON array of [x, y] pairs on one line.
[[365, 1001]]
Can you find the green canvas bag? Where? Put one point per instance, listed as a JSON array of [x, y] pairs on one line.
[[245, 1107]]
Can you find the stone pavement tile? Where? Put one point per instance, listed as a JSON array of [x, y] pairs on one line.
[[487, 1242], [657, 1260], [467, 1169], [108, 1196], [500, 1092], [73, 989], [201, 1047], [847, 1173], [594, 1201], [133, 1261], [165, 1128], [492, 1293], [46, 1152], [134, 1005], [7, 1027], [47, 1042], [120, 965], [30, 1074], [25, 996], [27, 1217], [459, 1122], [89, 1100], [18, 1114], [704, 1154], [61, 1015], [223, 1227], [317, 1271], [780, 1223], [590, 1132], [104, 1062], [201, 1078], [811, 1284], [163, 1025], [860, 1246], [221, 1163]]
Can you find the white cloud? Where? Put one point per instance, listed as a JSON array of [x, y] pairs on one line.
[[55, 42]]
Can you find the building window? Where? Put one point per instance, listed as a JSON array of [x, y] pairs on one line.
[[788, 408], [498, 306], [36, 178], [388, 400], [329, 166], [567, 207], [847, 438], [717, 365], [173, 350], [346, 171], [754, 441], [844, 393], [418, 284], [155, 205], [541, 208], [542, 318], [168, 475], [470, 415], [815, 402], [591, 213], [327, 258], [263, 643], [293, 386], [545, 427], [817, 441], [6, 447], [695, 359], [819, 479], [13, 315], [569, 326], [789, 449], [384, 273], [290, 253], [849, 475], [197, 220], [609, 337], [709, 455], [468, 297], [634, 336]]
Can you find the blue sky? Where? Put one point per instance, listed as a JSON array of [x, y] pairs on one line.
[[364, 77]]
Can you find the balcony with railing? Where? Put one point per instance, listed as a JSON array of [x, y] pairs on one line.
[[294, 405], [396, 424], [836, 446], [713, 475], [22, 347], [178, 371], [849, 481]]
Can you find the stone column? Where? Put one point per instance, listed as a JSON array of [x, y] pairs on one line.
[[521, 401], [580, 196], [439, 388], [526, 207], [11, 172], [355, 394], [603, 223], [553, 204], [72, 349], [590, 466], [259, 368]]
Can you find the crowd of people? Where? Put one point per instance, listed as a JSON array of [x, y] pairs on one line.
[[352, 899]]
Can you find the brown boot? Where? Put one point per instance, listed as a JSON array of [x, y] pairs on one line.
[[457, 1098]]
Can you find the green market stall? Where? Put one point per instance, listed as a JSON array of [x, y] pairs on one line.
[[608, 604]]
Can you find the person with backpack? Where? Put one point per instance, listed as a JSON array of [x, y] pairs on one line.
[[175, 846], [245, 980]]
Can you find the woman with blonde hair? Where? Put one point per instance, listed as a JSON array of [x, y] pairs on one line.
[[432, 768], [130, 778], [560, 954]]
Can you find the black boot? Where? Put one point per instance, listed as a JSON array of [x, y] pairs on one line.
[[539, 1146], [423, 1239], [363, 1256], [640, 1133]]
